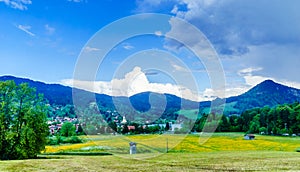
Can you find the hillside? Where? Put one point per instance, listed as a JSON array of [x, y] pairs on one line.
[[54, 93], [61, 95], [267, 93]]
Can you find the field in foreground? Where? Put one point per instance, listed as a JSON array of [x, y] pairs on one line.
[[221, 152], [215, 161]]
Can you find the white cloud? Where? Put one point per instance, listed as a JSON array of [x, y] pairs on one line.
[[75, 1], [251, 23], [158, 33], [194, 9], [248, 71], [17, 4], [127, 46], [290, 84], [136, 82], [279, 61], [179, 68], [26, 29], [133, 83], [188, 36], [174, 10], [50, 30], [210, 94], [252, 80], [146, 5], [91, 49]]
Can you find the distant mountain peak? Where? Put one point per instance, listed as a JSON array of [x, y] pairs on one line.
[[268, 82], [268, 85], [272, 87]]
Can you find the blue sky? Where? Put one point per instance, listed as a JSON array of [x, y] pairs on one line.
[[254, 40]]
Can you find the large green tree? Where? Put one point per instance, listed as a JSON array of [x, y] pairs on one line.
[[67, 129], [23, 127]]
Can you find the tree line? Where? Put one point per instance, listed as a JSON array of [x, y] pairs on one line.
[[282, 119]]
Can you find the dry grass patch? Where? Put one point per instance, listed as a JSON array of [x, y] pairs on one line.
[[205, 161]]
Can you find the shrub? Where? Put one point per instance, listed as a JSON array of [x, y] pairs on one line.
[[52, 141], [72, 139], [60, 139]]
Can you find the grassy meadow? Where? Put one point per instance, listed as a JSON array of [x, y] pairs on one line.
[[194, 152], [192, 143]]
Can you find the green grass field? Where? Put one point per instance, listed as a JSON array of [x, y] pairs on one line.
[[221, 152]]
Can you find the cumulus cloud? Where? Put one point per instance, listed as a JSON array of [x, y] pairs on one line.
[[17, 4], [232, 26], [136, 81], [187, 36], [26, 29], [203, 15], [133, 83]]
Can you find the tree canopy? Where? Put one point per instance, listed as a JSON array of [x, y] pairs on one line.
[[23, 122], [277, 120], [67, 129]]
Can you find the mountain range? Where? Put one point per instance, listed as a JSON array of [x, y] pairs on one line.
[[267, 93]]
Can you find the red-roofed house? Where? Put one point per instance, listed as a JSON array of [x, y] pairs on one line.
[[131, 127]]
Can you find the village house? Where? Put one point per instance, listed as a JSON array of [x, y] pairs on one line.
[[131, 128], [175, 127]]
